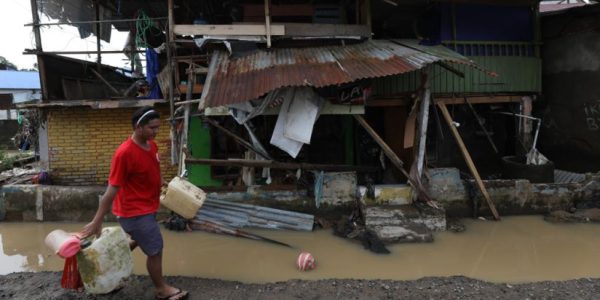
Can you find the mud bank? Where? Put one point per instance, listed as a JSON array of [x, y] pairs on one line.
[[46, 285]]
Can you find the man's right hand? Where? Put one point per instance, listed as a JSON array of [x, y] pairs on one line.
[[92, 228]]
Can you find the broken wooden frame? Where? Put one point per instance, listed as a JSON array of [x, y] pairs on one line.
[[398, 163], [468, 159], [237, 138]]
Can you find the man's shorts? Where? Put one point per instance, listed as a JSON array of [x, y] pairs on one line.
[[145, 232]]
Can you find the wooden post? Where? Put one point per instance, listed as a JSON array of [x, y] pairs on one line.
[[525, 125], [468, 159], [36, 26], [268, 23], [423, 122], [186, 116], [170, 95], [98, 46], [368, 16]]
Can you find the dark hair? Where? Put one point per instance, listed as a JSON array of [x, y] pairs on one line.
[[143, 115]]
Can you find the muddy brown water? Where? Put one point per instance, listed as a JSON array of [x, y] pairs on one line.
[[517, 249]]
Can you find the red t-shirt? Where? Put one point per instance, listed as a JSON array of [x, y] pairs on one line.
[[136, 172]]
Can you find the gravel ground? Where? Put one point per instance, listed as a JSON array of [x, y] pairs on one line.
[[46, 285]]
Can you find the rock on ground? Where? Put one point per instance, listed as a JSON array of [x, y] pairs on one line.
[[46, 285]]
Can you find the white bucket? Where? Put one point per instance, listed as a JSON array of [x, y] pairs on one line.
[[62, 243], [105, 263]]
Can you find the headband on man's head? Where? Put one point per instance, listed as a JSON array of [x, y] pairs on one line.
[[144, 115]]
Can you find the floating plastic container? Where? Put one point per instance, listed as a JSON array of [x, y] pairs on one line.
[[183, 197], [62, 243], [106, 262]]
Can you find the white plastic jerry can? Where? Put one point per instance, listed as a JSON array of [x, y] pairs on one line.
[[183, 197], [106, 262]]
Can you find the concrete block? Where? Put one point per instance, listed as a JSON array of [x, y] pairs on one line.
[[445, 185], [404, 223], [388, 194], [19, 202], [339, 188]]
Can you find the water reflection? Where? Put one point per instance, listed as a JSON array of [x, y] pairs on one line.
[[516, 249]]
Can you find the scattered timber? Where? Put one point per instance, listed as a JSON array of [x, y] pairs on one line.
[[396, 161], [216, 227]]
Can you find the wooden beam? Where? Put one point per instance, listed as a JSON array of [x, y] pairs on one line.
[[243, 30], [396, 161], [478, 100], [98, 46], [280, 165], [316, 30], [171, 91], [29, 52], [468, 160], [268, 23], [277, 29], [386, 102]]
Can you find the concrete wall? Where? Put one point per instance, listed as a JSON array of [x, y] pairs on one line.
[[570, 106], [82, 141], [511, 197]]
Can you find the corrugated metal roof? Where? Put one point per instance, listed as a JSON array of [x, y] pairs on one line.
[[19, 80], [238, 79]]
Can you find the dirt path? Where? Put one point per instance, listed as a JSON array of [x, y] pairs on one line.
[[46, 285]]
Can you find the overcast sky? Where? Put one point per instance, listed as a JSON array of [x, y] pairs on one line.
[[16, 37]]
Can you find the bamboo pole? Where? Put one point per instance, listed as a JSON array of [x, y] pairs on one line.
[[468, 160]]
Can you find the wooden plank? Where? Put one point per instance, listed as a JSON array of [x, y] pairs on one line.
[[238, 29], [279, 165], [329, 30], [468, 160], [479, 100], [268, 23], [409, 129]]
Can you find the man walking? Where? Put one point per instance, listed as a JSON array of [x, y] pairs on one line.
[[134, 190]]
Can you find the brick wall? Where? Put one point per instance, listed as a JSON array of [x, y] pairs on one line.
[[82, 141]]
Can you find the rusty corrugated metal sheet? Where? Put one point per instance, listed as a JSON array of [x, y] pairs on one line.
[[239, 79]]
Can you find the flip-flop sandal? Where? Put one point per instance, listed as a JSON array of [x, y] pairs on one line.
[[177, 293]]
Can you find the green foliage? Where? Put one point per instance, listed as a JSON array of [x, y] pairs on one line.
[[6, 65], [6, 161]]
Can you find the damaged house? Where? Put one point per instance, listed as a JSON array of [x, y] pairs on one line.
[[313, 103]]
